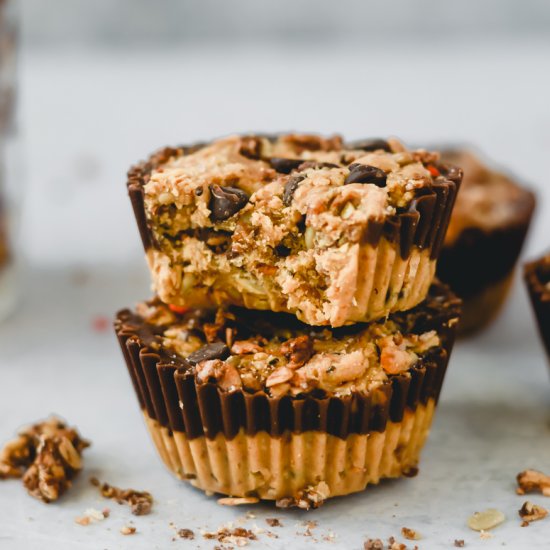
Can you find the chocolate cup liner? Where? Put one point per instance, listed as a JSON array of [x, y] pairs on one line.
[[197, 427], [383, 283], [287, 466], [479, 266], [540, 300], [394, 263]]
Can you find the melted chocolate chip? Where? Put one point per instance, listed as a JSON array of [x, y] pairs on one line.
[[216, 350], [284, 166], [282, 251], [371, 145], [225, 202], [290, 188], [363, 173]]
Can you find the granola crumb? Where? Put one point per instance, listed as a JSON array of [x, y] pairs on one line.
[[410, 534], [312, 496], [92, 516], [128, 530], [459, 543], [238, 536], [485, 535], [373, 544], [186, 534], [140, 502], [273, 522], [532, 481], [46, 455], [234, 501], [531, 512]]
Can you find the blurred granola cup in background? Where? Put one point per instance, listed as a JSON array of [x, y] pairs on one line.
[[258, 404], [303, 224], [537, 279], [486, 234]]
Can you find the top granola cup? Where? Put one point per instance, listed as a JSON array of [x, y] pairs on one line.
[[537, 278], [486, 234], [303, 224]]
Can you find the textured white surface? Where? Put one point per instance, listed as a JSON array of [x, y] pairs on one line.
[[86, 117]]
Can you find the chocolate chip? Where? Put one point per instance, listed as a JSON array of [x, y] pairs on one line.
[[363, 173], [216, 350], [290, 188], [225, 202], [251, 147], [284, 166], [370, 145], [282, 251], [199, 191]]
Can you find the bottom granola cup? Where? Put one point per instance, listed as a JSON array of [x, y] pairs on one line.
[[537, 278], [256, 404]]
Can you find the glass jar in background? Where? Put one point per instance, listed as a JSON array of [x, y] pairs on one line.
[[9, 187]]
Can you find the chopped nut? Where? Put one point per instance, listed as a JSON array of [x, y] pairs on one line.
[[186, 534], [373, 544], [47, 456], [530, 481], [128, 530], [410, 534], [488, 519], [531, 512], [140, 502], [233, 501], [299, 350]]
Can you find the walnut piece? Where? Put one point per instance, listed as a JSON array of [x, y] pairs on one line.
[[47, 455], [531, 512], [299, 351], [140, 502], [531, 481]]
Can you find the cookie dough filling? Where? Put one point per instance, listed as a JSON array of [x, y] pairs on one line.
[[332, 233], [249, 403]]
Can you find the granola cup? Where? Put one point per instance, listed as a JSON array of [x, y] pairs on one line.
[[486, 234], [537, 278], [331, 233], [252, 404]]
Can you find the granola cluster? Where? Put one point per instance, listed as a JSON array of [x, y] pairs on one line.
[[47, 456], [236, 351]]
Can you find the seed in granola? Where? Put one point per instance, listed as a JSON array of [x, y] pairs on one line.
[[488, 519], [225, 202], [371, 145], [531, 481], [531, 512], [364, 173], [290, 188], [284, 166], [215, 350], [410, 534]]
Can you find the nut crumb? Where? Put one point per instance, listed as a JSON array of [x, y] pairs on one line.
[[46, 455], [140, 502], [531, 481], [410, 534], [234, 501], [531, 512], [486, 520], [186, 534], [373, 544], [459, 543], [128, 530], [273, 522], [231, 535]]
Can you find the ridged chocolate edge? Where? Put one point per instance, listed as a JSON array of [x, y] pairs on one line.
[[480, 258], [540, 300], [173, 397], [424, 224]]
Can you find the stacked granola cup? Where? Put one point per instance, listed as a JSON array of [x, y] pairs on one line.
[[297, 344]]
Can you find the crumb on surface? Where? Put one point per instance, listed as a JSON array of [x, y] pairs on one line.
[[128, 530], [237, 501], [273, 522], [140, 502], [410, 534], [533, 481], [531, 512], [186, 534], [459, 543]]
